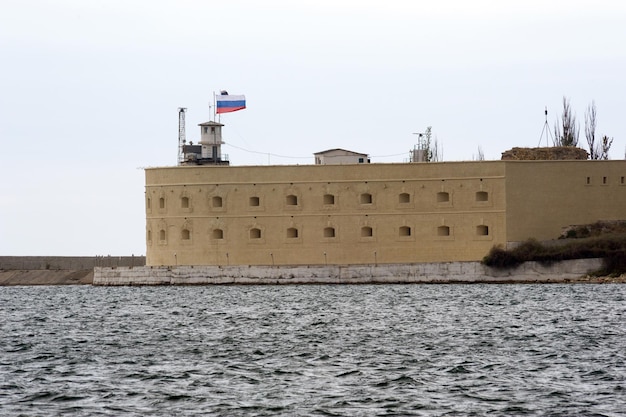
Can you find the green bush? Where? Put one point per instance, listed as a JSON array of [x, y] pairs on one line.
[[612, 248], [501, 258]]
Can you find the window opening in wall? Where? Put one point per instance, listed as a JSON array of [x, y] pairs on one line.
[[161, 202], [255, 233], [329, 199], [184, 202], [185, 234], [292, 200], [217, 201], [217, 234], [366, 231], [255, 201], [588, 180], [443, 197], [149, 203], [443, 231], [405, 231], [162, 234], [404, 198], [604, 180], [366, 198], [482, 196], [482, 230], [329, 232], [622, 181], [292, 233], [149, 235], [361, 160]]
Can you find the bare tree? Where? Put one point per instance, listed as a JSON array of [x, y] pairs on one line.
[[566, 134], [590, 131], [436, 151], [605, 147], [481, 155], [426, 144], [596, 150], [431, 151]]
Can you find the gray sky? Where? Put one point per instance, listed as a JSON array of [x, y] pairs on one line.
[[89, 92]]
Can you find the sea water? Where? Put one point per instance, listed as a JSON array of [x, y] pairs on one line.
[[336, 350]]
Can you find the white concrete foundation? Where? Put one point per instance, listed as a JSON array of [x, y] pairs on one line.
[[447, 272]]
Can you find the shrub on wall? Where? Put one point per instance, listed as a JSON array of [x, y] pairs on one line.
[[612, 248]]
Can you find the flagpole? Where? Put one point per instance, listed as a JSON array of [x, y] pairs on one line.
[[214, 106]]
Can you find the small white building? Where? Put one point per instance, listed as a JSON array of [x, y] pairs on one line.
[[340, 157], [209, 151]]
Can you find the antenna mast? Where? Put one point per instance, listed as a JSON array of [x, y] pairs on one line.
[[181, 133], [546, 129]]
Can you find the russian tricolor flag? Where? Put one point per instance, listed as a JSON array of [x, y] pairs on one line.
[[227, 103]]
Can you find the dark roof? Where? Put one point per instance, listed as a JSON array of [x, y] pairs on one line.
[[192, 148], [210, 123], [339, 149]]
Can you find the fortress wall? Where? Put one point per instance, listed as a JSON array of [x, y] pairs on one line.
[[543, 197], [276, 174], [448, 272], [370, 213], [280, 215]]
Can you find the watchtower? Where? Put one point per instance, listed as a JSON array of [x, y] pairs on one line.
[[211, 141], [209, 151]]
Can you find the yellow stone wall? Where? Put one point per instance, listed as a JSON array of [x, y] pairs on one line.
[[488, 203], [187, 217], [542, 197]]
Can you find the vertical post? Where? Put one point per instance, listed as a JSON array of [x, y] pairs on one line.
[[214, 106], [182, 136]]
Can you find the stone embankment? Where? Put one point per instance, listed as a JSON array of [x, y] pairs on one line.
[[447, 272], [131, 270], [59, 270]]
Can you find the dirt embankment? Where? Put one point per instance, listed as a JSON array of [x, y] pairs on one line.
[[545, 154]]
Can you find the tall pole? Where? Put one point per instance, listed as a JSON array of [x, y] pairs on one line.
[[214, 107], [181, 133]]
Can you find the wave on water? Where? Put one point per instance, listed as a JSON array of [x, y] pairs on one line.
[[313, 350]]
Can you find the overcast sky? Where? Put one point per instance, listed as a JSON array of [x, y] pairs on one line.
[[89, 92]]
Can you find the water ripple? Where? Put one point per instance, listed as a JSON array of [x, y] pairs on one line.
[[313, 350]]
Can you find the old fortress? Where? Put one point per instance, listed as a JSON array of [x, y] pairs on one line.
[[343, 210]]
